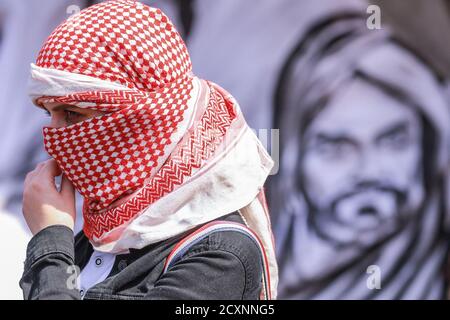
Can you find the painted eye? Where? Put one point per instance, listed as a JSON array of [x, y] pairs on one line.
[[334, 150], [396, 140]]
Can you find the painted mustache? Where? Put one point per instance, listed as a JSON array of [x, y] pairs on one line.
[[397, 193]]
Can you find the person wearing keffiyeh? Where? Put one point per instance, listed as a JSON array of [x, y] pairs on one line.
[[159, 156]]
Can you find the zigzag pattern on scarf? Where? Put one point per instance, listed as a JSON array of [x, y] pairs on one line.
[[207, 135], [151, 121], [103, 98], [114, 100], [99, 97]]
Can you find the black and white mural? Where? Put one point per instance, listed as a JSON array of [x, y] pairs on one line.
[[360, 198]]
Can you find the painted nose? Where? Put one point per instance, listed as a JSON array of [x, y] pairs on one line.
[[369, 167]]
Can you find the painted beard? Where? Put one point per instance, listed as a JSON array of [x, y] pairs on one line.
[[363, 216]]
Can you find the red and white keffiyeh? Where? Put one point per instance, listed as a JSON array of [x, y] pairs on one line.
[[171, 152]]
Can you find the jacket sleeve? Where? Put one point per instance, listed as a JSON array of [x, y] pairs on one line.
[[49, 271], [221, 270]]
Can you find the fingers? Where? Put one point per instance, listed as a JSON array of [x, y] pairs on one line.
[[48, 171], [67, 188], [51, 168], [33, 175], [40, 165], [44, 173], [43, 205]]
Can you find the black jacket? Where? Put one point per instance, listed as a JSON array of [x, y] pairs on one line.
[[224, 265]]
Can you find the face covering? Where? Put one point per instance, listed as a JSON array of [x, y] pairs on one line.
[[170, 151]]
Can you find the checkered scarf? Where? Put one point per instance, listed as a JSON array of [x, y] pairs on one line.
[[108, 157], [157, 162]]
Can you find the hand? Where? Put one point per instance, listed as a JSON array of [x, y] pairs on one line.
[[43, 204]]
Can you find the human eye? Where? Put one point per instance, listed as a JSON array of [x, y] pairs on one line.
[[72, 117]]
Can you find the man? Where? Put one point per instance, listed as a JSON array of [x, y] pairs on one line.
[[363, 165], [161, 159]]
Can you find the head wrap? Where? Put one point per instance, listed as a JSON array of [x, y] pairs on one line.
[[171, 152]]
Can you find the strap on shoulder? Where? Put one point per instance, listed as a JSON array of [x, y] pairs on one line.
[[215, 226]]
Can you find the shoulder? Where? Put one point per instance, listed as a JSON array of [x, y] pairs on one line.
[[227, 238], [232, 255], [239, 243]]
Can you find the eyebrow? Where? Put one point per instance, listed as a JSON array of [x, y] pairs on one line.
[[329, 138], [397, 127]]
